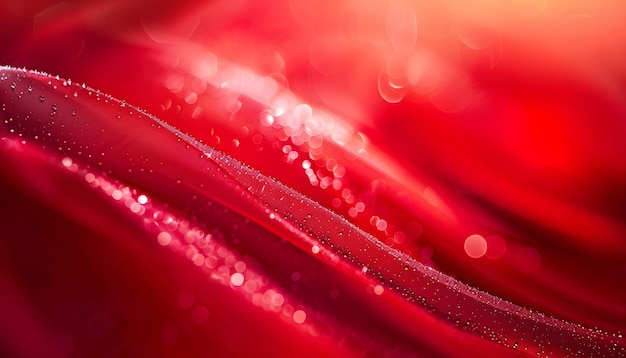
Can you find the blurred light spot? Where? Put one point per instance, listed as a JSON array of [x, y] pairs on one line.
[[475, 246], [315, 249], [453, 95], [142, 199], [240, 266], [288, 310], [90, 178], [278, 300], [67, 162], [191, 98], [360, 207], [199, 86], [387, 91], [423, 72], [197, 113], [174, 82], [135, 208], [210, 261], [164, 238], [378, 290], [117, 194], [233, 105], [266, 118], [299, 316], [399, 237], [236, 279], [257, 139], [300, 115], [205, 65]]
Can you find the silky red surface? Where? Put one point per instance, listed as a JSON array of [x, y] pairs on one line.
[[520, 136]]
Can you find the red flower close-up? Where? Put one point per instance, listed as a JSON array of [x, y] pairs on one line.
[[377, 178]]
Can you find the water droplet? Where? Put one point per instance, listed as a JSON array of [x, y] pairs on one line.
[[30, 89], [42, 98]]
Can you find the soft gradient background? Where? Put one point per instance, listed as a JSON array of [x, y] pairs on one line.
[[484, 138]]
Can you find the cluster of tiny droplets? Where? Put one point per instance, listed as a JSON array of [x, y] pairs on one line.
[[303, 136], [202, 247]]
